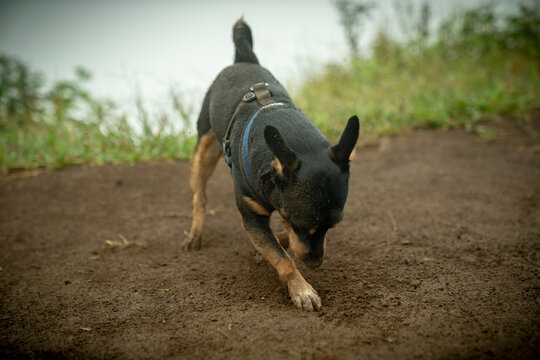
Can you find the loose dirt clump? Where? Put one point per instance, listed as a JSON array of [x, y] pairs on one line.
[[437, 257]]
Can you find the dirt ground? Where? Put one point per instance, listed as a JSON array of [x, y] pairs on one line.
[[437, 257]]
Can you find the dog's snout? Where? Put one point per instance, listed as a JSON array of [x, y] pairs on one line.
[[313, 251]]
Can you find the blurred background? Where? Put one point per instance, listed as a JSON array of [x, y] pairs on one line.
[[122, 81]]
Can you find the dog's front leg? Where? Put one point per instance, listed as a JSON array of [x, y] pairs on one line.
[[261, 236]]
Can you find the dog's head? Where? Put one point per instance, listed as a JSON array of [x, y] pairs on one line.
[[310, 190]]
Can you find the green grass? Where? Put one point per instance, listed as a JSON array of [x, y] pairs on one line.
[[477, 67], [66, 125], [56, 144], [420, 91]]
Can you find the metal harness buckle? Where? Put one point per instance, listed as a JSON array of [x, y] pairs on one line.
[[258, 86]]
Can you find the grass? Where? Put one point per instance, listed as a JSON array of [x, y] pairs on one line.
[[473, 69], [56, 144], [463, 77], [65, 125], [425, 91]]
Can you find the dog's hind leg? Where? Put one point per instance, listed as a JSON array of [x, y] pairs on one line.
[[204, 162]]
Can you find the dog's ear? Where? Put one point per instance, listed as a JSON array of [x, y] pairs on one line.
[[285, 158], [341, 152]]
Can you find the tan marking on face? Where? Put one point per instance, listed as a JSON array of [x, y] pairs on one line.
[[256, 207], [312, 231], [277, 165], [299, 249]]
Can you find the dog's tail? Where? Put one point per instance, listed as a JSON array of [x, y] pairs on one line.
[[243, 43]]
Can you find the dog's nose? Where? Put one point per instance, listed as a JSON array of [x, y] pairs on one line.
[[313, 263]]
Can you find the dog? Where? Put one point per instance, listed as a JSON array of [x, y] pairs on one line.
[[279, 161]]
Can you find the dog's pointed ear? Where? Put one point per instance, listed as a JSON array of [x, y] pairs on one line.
[[285, 158], [341, 152]]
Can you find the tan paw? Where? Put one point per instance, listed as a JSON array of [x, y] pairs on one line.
[[193, 241], [303, 295]]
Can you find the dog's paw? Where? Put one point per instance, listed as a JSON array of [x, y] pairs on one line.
[[193, 241], [304, 296]]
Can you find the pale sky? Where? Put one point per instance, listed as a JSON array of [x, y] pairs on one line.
[[151, 45]]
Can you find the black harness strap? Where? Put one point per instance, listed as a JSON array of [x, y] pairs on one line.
[[257, 92]]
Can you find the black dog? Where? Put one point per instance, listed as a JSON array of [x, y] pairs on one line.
[[279, 161]]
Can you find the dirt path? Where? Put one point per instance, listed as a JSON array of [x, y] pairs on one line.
[[437, 258]]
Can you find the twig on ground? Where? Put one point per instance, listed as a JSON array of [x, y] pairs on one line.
[[393, 221], [223, 333]]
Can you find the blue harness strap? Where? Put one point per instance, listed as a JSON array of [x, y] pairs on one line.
[[244, 151], [246, 161]]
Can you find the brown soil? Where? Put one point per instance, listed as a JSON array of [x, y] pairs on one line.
[[437, 257]]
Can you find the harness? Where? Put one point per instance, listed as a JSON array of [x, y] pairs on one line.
[[263, 96]]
